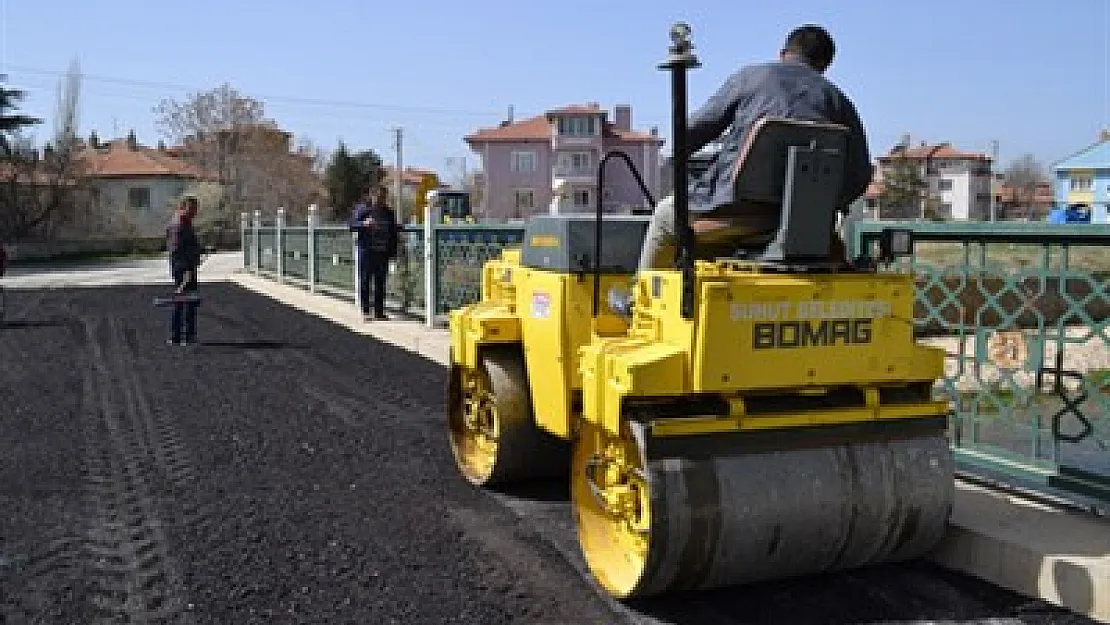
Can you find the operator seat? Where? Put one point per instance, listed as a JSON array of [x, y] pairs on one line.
[[787, 187]]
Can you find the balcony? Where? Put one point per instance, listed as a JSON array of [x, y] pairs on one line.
[[581, 142], [574, 175]]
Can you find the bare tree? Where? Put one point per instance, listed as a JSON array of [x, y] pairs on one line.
[[1024, 176], [227, 133]]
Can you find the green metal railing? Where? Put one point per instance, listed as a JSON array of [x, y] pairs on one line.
[[321, 257], [1022, 310]]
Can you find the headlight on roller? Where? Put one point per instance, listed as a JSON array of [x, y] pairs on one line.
[[620, 300]]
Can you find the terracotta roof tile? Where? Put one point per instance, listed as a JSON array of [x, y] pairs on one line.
[[942, 150], [539, 128], [532, 129], [121, 160]]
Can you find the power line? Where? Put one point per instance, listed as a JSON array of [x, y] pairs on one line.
[[270, 98], [363, 116]]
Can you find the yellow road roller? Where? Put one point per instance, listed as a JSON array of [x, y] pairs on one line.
[[756, 415]]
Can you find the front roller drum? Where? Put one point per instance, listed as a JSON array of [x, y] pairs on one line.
[[650, 525], [494, 437]]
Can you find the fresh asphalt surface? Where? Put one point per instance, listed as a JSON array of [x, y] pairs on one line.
[[288, 471]]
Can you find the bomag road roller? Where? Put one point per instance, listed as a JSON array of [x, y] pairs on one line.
[[758, 415]]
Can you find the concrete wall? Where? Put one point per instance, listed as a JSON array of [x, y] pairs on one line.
[[146, 220]]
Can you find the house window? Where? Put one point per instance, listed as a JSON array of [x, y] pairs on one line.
[[1081, 183], [944, 185], [138, 197], [576, 162], [581, 198], [586, 126], [524, 162], [524, 199]]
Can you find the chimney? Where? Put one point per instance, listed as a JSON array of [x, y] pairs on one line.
[[622, 117], [132, 142]]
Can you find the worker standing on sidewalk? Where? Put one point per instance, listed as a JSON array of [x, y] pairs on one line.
[[375, 223]]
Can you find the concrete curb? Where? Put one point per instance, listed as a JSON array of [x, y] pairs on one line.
[[1027, 547], [1034, 549], [414, 336]]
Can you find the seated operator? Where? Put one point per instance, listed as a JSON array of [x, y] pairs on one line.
[[793, 87]]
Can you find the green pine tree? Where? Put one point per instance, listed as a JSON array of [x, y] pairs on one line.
[[347, 175], [10, 121], [903, 190]]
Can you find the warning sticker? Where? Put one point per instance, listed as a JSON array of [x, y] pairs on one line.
[[541, 305]]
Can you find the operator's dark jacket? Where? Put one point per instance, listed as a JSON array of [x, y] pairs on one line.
[[183, 245], [779, 89], [380, 240]]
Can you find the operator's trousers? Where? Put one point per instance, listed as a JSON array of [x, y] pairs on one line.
[[373, 265], [661, 241], [183, 319]]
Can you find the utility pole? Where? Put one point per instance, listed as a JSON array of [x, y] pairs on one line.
[[994, 163], [398, 182], [399, 187]]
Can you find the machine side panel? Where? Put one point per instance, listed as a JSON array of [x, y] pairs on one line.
[[565, 243], [764, 332], [543, 308]]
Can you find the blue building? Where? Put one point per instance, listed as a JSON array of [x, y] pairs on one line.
[[1084, 178]]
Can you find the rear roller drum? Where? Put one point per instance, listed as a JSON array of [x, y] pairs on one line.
[[674, 522], [494, 437]]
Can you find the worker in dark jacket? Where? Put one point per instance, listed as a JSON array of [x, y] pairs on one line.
[[793, 87], [184, 251], [377, 240]]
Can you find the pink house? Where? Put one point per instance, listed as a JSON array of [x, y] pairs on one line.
[[548, 163]]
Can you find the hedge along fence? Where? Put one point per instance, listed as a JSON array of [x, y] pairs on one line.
[[1001, 275], [946, 303], [63, 248]]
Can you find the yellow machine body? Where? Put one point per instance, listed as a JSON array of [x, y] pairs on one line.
[[752, 334], [800, 402]]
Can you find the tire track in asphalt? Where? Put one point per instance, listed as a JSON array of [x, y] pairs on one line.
[[33, 574], [905, 593], [345, 400], [135, 576]]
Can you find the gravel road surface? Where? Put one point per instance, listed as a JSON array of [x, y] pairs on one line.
[[287, 471]]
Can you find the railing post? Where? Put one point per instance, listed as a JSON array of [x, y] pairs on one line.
[[257, 241], [431, 299], [354, 268], [244, 226], [279, 243], [313, 221]]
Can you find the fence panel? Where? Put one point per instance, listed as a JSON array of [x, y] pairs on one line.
[[461, 250], [1022, 311]]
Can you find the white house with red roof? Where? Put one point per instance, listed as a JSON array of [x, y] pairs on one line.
[[548, 163], [133, 187], [959, 180]]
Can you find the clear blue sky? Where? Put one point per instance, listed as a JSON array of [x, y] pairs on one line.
[[1032, 75]]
